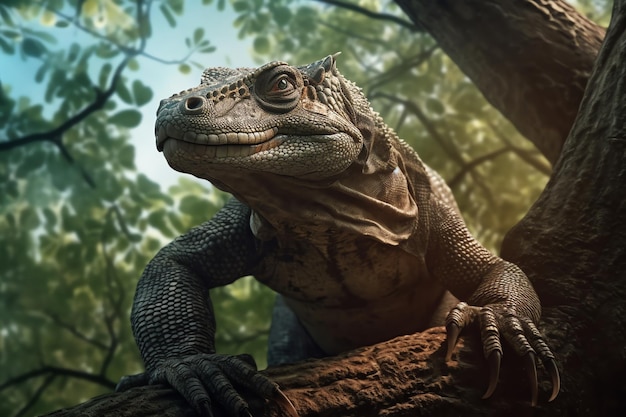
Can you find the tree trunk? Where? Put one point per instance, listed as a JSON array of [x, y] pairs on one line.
[[572, 244], [531, 59], [573, 239]]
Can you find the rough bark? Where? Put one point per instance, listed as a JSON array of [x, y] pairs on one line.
[[573, 239], [572, 244], [394, 378], [531, 59]]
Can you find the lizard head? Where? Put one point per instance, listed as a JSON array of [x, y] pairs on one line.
[[306, 122]]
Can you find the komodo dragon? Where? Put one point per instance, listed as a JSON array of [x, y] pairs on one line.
[[332, 211]]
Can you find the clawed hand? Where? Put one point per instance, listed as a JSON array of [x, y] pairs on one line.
[[205, 379], [519, 331]]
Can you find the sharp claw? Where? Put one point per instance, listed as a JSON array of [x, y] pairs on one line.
[[246, 413], [494, 372], [556, 378], [532, 376], [286, 404], [452, 331], [204, 408]]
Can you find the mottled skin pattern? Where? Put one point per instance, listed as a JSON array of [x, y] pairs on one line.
[[334, 212]]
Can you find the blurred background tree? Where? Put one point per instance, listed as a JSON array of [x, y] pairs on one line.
[[79, 220]]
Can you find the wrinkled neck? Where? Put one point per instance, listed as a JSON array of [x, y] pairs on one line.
[[374, 201]]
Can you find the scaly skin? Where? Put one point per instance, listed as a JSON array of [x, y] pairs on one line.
[[334, 212]]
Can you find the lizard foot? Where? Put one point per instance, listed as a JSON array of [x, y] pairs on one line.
[[520, 332], [203, 379]]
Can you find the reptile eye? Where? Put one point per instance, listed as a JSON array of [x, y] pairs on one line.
[[281, 85], [278, 89]]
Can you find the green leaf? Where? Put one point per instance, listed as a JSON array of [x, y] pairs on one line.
[[57, 80], [29, 219], [142, 93], [104, 75], [123, 92], [184, 68], [261, 45], [241, 6], [133, 64], [51, 217], [7, 48], [168, 15], [41, 72], [157, 219], [176, 5], [176, 222], [282, 15], [105, 50], [33, 47], [149, 188], [435, 106], [12, 34], [198, 34], [126, 157], [208, 49], [73, 52], [43, 35], [153, 245], [193, 205], [6, 17], [126, 118]]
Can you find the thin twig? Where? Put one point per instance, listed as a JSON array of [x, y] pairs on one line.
[[73, 330], [113, 310], [405, 65]]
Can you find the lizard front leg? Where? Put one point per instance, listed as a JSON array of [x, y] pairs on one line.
[[496, 294], [173, 322]]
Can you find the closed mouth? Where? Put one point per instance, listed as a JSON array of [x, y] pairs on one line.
[[203, 151], [257, 141]]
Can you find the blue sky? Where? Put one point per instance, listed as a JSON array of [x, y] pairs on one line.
[[166, 43], [166, 80]]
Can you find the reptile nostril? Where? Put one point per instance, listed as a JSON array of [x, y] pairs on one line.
[[194, 103]]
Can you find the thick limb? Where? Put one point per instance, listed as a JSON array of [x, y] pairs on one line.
[[495, 293], [173, 322]]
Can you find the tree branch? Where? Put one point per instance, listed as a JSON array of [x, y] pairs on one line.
[[55, 135], [523, 154], [114, 310], [56, 320], [35, 397], [139, 51], [404, 66], [45, 370], [374, 15], [531, 59], [452, 183]]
